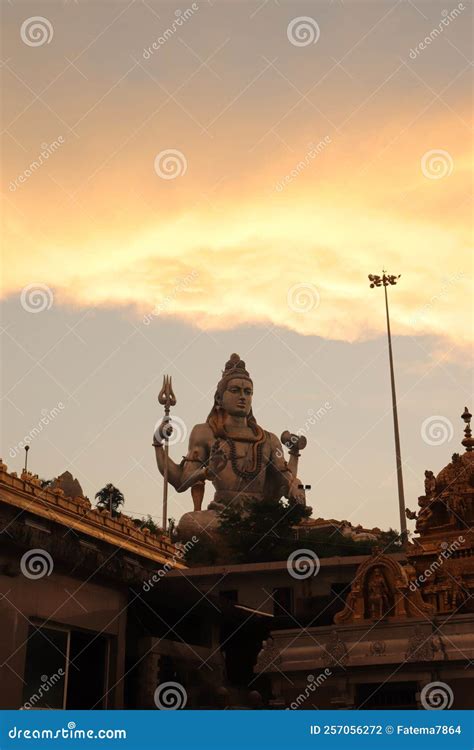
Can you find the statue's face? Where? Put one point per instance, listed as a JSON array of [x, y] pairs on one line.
[[237, 397]]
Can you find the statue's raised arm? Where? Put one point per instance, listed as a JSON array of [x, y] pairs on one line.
[[193, 467]]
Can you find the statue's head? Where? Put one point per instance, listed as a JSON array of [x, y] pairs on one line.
[[237, 397], [233, 395]]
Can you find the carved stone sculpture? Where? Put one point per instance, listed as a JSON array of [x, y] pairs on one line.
[[377, 595], [232, 451], [381, 588]]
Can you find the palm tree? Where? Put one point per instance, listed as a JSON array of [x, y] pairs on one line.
[[111, 498]]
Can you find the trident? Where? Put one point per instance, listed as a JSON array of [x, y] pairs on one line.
[[167, 399]]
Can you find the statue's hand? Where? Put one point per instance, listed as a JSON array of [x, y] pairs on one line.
[[162, 432], [296, 494], [217, 461]]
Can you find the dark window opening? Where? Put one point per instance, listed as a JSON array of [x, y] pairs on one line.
[[231, 595], [283, 602], [45, 668], [340, 591], [65, 669], [395, 695], [87, 671]]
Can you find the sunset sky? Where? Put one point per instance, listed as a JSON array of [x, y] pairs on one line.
[[230, 190]]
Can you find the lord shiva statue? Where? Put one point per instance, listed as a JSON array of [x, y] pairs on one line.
[[230, 449]]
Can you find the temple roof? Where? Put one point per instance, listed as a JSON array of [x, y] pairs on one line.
[[458, 474]]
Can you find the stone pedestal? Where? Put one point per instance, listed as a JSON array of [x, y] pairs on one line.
[[204, 526]]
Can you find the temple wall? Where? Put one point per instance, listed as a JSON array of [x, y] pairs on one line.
[[92, 608], [336, 667]]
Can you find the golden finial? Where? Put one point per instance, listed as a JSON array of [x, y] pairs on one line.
[[468, 441]]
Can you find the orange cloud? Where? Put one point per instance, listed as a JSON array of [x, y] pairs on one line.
[[291, 245]]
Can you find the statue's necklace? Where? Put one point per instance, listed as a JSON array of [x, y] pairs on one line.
[[257, 449]]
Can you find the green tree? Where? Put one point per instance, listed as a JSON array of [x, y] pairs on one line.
[[203, 553], [264, 532], [332, 543], [148, 523], [110, 498], [390, 541]]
